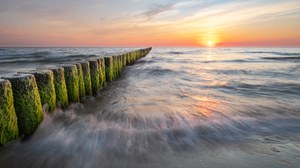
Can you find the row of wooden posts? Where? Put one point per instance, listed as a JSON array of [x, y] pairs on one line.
[[22, 95]]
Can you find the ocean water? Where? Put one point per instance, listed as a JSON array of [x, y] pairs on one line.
[[176, 107]]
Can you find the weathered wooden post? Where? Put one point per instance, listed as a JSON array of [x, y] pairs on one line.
[[72, 82], [81, 83], [115, 67], [109, 69], [8, 118], [87, 78], [60, 86], [95, 75], [124, 60], [101, 76], [120, 63], [102, 65], [45, 83], [27, 102]]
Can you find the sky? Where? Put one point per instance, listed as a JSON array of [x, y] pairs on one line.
[[133, 23]]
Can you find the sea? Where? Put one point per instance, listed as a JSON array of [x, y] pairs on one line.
[[174, 108]]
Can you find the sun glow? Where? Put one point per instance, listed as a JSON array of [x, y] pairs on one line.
[[210, 43], [209, 38]]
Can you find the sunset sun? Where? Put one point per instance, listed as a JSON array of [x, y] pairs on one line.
[[210, 43], [210, 38]]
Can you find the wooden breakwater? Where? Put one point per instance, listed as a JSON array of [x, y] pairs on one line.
[[23, 95]]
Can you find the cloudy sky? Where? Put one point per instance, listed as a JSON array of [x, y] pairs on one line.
[[149, 22]]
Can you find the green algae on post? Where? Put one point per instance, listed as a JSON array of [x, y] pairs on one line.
[[102, 65], [120, 64], [27, 102], [130, 58], [127, 58], [72, 82], [45, 83], [87, 77], [124, 60], [8, 118], [81, 83], [95, 75], [109, 69], [60, 86], [134, 56], [101, 74], [115, 66]]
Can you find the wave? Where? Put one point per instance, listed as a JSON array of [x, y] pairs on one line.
[[233, 61], [272, 52], [79, 56], [176, 52], [12, 56], [282, 58], [39, 53], [21, 60], [160, 72], [236, 60], [268, 89], [144, 62]]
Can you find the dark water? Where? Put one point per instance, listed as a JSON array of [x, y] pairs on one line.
[[192, 107], [18, 59]]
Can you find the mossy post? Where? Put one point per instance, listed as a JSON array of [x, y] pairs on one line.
[[27, 102], [8, 118], [45, 83], [102, 65], [72, 82], [124, 60], [120, 64], [116, 65], [60, 86], [134, 56], [113, 67], [130, 58], [139, 53], [87, 78], [95, 75], [101, 74], [109, 69], [146, 51], [127, 58], [142, 52], [81, 83]]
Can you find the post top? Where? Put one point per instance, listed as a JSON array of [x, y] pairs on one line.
[[16, 75]]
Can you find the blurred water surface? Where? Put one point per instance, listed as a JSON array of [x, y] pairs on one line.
[[177, 107]]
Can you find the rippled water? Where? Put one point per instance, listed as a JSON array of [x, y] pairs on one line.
[[177, 107], [19, 59]]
